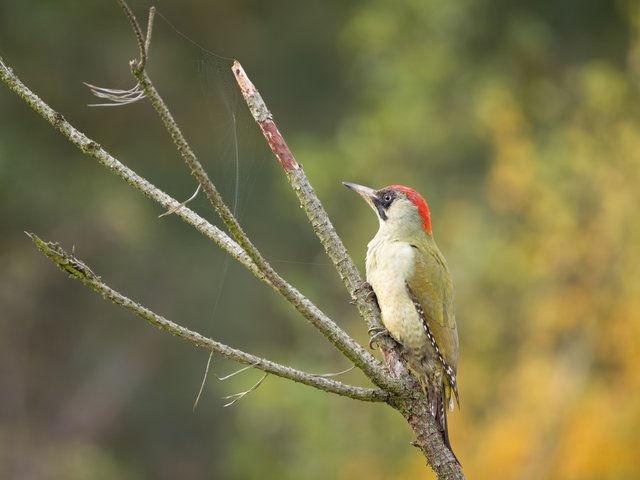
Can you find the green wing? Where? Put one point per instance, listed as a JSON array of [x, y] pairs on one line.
[[431, 284]]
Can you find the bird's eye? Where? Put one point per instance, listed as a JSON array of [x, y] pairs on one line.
[[386, 198]]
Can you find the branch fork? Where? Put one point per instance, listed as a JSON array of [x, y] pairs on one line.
[[393, 384]]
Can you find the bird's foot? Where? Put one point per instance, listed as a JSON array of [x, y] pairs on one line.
[[364, 287], [368, 290], [377, 333]]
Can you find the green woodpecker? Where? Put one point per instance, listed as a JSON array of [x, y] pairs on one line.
[[411, 282]]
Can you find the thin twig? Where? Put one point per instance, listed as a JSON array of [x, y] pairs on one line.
[[334, 374], [182, 204], [125, 97], [79, 270], [233, 374], [241, 395], [204, 380], [147, 41], [141, 63]]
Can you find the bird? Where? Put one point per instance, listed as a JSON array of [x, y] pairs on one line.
[[411, 282]]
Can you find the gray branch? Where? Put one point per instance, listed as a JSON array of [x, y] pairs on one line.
[[358, 355], [95, 151], [80, 271], [312, 313], [321, 225], [342, 341], [398, 389], [409, 398]]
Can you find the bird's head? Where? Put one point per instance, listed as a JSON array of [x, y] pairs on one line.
[[398, 207]]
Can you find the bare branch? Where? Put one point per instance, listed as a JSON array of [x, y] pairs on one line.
[[94, 150], [147, 41], [264, 118], [318, 217], [80, 271], [338, 337], [404, 394], [142, 47], [119, 97], [429, 440], [343, 342], [412, 407]]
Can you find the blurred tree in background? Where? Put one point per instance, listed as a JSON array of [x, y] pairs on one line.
[[519, 122]]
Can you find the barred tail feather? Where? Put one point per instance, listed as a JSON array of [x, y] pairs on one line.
[[451, 390], [448, 370], [441, 419], [438, 407]]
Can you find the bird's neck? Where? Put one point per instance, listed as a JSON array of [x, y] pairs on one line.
[[413, 233]]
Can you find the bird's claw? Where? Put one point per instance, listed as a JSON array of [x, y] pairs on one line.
[[366, 287], [378, 329], [376, 333], [370, 293]]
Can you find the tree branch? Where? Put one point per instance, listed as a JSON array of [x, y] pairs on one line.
[[415, 410], [343, 342], [143, 44], [403, 392], [361, 358], [95, 151], [412, 406], [317, 216], [80, 271]]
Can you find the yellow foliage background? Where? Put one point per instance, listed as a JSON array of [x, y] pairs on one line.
[[520, 124]]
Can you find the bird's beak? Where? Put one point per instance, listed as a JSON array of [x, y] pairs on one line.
[[369, 194]]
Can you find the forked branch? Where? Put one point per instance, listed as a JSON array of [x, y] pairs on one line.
[[413, 406], [80, 271], [398, 389], [335, 334], [318, 217], [343, 342]]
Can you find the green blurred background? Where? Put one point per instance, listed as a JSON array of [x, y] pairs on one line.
[[518, 121]]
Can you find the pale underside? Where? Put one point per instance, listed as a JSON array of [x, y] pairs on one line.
[[391, 266]]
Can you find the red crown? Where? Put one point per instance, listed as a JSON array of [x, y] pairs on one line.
[[418, 201]]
